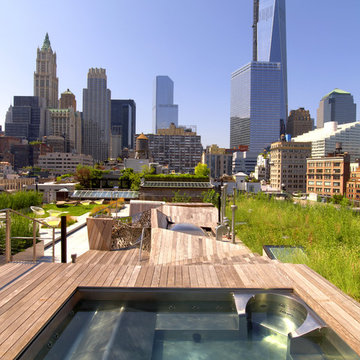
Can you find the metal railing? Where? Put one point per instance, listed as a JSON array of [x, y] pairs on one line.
[[8, 255]]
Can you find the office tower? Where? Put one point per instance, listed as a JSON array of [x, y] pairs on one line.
[[123, 121], [179, 150], [164, 110], [26, 119], [299, 122], [45, 80], [259, 89], [255, 106], [67, 100], [271, 42], [337, 106], [96, 115]]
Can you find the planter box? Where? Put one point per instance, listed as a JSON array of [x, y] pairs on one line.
[[99, 233]]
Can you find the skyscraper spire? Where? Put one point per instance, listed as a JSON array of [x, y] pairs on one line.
[[46, 44], [255, 21]]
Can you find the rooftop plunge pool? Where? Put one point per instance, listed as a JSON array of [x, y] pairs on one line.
[[186, 324]]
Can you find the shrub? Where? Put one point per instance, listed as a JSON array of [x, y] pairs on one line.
[[210, 196], [175, 177], [180, 198]]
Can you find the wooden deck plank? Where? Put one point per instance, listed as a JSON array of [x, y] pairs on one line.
[[45, 309], [141, 278], [171, 276], [156, 276], [16, 291], [134, 276], [149, 276], [163, 276], [11, 271], [193, 276]]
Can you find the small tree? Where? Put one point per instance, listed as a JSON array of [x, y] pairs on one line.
[[202, 170], [83, 176]]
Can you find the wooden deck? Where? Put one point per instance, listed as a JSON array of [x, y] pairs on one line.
[[31, 294]]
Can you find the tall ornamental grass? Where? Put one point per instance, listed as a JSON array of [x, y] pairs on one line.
[[20, 200], [330, 236], [20, 227]]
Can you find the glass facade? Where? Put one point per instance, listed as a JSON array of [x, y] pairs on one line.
[[271, 41], [255, 105], [123, 121], [164, 110], [337, 106], [27, 118]]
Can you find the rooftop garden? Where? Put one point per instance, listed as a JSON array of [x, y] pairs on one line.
[[330, 236]]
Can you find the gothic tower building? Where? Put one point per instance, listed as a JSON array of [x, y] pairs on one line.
[[46, 83]]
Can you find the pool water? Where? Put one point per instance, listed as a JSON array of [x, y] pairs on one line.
[[162, 330]]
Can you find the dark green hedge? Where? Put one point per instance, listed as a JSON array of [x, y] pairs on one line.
[[181, 177]]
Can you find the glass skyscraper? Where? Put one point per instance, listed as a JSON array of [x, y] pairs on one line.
[[259, 89], [337, 106], [255, 106], [164, 110], [271, 41], [123, 121]]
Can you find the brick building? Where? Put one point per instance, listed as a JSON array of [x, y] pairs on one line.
[[353, 186], [327, 176]]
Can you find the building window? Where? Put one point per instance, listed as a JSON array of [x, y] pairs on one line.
[[336, 164]]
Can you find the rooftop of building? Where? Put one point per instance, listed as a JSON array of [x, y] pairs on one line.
[[290, 144], [67, 92], [30, 294], [336, 91], [330, 128]]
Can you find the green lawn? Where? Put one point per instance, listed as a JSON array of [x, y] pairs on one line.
[[330, 236], [72, 210]]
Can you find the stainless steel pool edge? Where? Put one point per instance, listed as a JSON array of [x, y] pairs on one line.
[[291, 305]]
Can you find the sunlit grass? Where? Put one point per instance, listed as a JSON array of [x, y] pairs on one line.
[[330, 236]]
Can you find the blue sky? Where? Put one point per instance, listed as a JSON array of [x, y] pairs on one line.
[[198, 43]]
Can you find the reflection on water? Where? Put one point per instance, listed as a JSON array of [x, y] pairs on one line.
[[175, 330]]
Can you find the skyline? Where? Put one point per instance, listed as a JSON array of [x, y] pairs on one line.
[[197, 49]]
